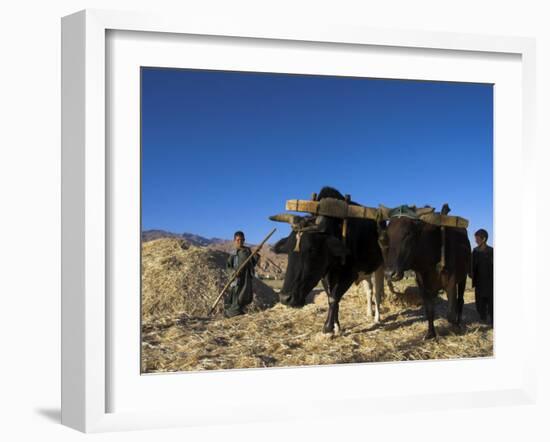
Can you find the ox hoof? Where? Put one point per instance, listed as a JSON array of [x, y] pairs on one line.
[[457, 327], [452, 319], [322, 336], [328, 328], [430, 335]]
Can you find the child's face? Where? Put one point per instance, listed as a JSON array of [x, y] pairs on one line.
[[239, 241], [479, 240]]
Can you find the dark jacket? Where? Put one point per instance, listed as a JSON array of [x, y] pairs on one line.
[[482, 271], [240, 293]]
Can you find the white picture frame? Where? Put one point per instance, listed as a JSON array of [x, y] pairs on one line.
[[86, 208]]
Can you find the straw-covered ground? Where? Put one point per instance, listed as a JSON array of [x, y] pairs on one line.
[[179, 282]]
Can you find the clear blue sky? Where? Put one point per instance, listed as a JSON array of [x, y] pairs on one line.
[[222, 151]]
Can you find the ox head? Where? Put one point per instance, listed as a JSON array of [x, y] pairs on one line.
[[399, 240], [312, 247]]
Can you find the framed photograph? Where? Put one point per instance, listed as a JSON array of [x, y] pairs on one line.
[[186, 143]]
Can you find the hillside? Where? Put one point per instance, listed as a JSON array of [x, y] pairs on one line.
[[191, 238], [271, 265]]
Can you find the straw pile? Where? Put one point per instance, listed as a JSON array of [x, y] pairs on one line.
[[283, 336], [182, 279]]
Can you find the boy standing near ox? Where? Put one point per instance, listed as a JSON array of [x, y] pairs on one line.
[[482, 276], [240, 291]]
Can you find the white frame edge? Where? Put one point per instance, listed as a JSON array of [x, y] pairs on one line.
[[83, 222], [84, 382]]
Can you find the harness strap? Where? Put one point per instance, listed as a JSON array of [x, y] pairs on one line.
[[298, 238], [442, 263], [347, 199]]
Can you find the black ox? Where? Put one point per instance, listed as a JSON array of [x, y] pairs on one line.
[[316, 251], [412, 244]]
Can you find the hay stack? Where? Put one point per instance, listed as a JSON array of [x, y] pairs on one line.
[[178, 278]]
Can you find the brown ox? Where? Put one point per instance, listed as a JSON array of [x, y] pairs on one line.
[[409, 243]]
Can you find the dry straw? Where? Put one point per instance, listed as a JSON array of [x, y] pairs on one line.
[[180, 280]]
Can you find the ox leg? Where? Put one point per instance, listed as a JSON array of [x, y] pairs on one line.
[[430, 313], [452, 299], [332, 324], [333, 306], [460, 300], [428, 297], [392, 289], [367, 283], [324, 283], [378, 292]]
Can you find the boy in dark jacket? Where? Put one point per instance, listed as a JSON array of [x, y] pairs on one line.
[[482, 276], [240, 292]]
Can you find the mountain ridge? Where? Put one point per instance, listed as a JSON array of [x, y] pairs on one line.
[[192, 238], [271, 266]]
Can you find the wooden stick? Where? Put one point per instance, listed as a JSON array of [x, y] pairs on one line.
[[239, 270]]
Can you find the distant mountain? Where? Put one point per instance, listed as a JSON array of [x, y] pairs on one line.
[[196, 240], [271, 265]]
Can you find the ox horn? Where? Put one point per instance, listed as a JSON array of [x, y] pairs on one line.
[[285, 218], [424, 210]]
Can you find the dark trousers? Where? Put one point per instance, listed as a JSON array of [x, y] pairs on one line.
[[232, 307], [484, 305]]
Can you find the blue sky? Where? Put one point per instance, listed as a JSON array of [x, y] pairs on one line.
[[222, 151]]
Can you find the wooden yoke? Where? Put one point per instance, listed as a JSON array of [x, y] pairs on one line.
[[342, 209], [335, 208], [345, 222], [331, 207]]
